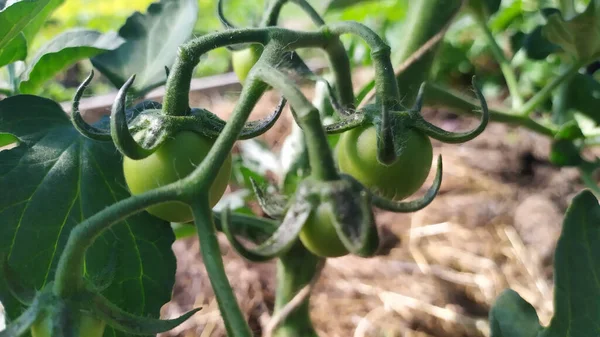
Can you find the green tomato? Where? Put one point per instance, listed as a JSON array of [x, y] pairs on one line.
[[88, 326], [174, 159], [319, 235], [356, 154], [243, 60]]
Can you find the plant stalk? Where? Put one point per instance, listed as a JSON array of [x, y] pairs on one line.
[[234, 320], [505, 67], [424, 19], [295, 270]]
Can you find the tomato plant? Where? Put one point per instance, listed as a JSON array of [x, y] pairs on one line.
[[173, 160], [102, 246], [357, 155]]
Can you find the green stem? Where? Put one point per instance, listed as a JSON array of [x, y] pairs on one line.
[[546, 91], [386, 86], [308, 118], [69, 272], [200, 180], [505, 67], [295, 270], [176, 100], [567, 8], [12, 78], [436, 95], [272, 13], [424, 20], [233, 318]]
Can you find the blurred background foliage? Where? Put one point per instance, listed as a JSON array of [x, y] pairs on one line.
[[464, 52]]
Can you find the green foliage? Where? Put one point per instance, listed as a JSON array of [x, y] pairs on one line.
[[57, 178], [62, 51], [152, 41], [575, 297], [578, 36]]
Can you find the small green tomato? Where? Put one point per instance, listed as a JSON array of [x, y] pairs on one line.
[[88, 326], [174, 159], [243, 60], [356, 154], [319, 235]]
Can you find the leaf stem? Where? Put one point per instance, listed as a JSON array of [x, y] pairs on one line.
[[295, 271], [505, 67], [307, 116], [437, 95], [235, 322], [546, 91]]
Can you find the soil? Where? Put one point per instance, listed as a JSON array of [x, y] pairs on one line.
[[493, 225]]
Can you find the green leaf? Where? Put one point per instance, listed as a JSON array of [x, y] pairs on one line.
[[55, 179], [64, 50], [512, 316], [14, 18], [15, 50], [153, 40], [584, 96], [7, 139], [564, 153], [484, 8], [579, 36], [537, 46], [577, 266], [31, 30]]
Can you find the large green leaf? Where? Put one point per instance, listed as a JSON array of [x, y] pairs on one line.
[[577, 270], [153, 40], [512, 316], [578, 36], [26, 17], [15, 50], [584, 96], [63, 50], [55, 179], [31, 30], [576, 286]]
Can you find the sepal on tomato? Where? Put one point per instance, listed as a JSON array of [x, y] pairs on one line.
[[445, 136], [352, 216], [272, 203], [129, 323], [24, 322], [285, 235], [80, 125]]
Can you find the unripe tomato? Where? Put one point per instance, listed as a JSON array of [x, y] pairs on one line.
[[319, 235], [243, 60], [357, 156], [174, 159], [88, 326]]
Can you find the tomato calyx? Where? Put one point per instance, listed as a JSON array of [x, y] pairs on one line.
[[341, 209], [393, 125], [140, 130]]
